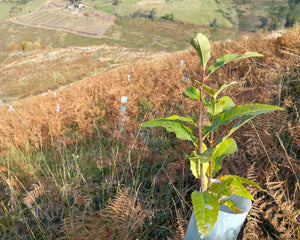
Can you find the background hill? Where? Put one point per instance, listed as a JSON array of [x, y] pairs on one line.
[[161, 25]]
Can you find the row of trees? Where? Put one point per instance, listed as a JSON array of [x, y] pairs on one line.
[[24, 46], [281, 16]]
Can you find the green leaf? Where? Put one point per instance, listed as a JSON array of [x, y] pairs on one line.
[[214, 107], [222, 88], [182, 132], [207, 89], [195, 168], [240, 123], [203, 48], [195, 163], [252, 54], [223, 104], [210, 106], [239, 111], [229, 58], [242, 180], [193, 93], [184, 119], [223, 149], [231, 205], [220, 188], [237, 187], [206, 208], [206, 156]]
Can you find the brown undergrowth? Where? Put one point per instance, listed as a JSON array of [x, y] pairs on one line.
[[269, 146]]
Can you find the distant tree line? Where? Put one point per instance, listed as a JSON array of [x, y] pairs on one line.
[[25, 46], [291, 15], [281, 14]]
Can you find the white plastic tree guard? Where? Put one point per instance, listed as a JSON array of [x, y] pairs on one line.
[[228, 225]]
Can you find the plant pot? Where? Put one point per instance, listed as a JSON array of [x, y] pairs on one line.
[[228, 224]]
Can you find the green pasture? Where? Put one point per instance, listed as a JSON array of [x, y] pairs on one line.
[[198, 12], [31, 6], [4, 9], [188, 11], [124, 8]]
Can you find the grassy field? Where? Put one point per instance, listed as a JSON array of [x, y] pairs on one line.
[[30, 6], [56, 16], [199, 12], [4, 10], [162, 36], [188, 11], [68, 170], [165, 36]]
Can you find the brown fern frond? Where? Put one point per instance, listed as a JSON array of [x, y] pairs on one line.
[[79, 198], [290, 212], [295, 133], [37, 190], [281, 212], [276, 218], [252, 229], [237, 164], [182, 226], [123, 218], [276, 190]]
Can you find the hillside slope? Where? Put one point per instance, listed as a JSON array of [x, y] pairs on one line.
[[33, 72], [157, 76]]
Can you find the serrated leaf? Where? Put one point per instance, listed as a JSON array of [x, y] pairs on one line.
[[206, 209], [207, 89], [195, 163], [237, 187], [193, 93], [240, 123], [206, 156], [243, 180], [225, 117], [229, 58], [182, 132], [223, 149], [223, 87], [210, 105], [184, 119], [223, 104], [232, 206], [203, 48], [252, 54], [220, 188], [195, 168], [214, 107]]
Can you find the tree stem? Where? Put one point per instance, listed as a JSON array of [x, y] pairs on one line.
[[210, 162], [200, 128]]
